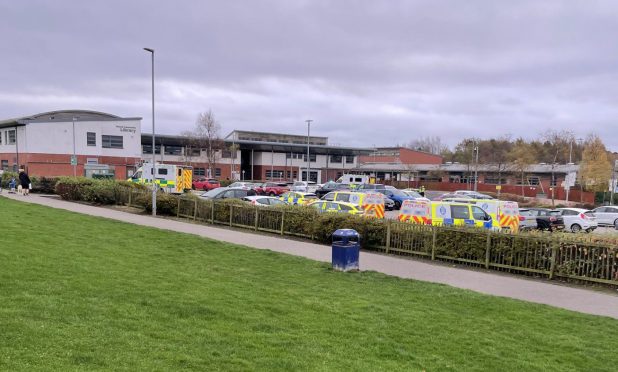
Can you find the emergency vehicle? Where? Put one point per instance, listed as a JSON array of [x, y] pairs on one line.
[[444, 214], [504, 214], [170, 178], [371, 203], [324, 206], [298, 198], [355, 179]]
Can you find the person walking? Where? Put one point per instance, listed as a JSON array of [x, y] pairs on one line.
[[24, 182]]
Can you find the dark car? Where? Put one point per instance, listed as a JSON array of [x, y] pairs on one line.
[[397, 196], [228, 193], [389, 204], [547, 219], [331, 186]]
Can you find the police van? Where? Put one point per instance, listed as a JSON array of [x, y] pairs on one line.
[[371, 203], [444, 214], [171, 178], [504, 214]]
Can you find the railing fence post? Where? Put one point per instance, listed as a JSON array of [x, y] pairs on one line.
[[552, 267], [178, 208], [388, 235], [195, 209], [212, 212], [434, 238], [231, 210], [487, 249], [282, 221], [257, 216]]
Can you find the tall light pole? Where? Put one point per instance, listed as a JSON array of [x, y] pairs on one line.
[[74, 158], [476, 166], [308, 121], [154, 159], [611, 194]]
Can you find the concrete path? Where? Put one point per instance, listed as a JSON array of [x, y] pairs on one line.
[[581, 300]]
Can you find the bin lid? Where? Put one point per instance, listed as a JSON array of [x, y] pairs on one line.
[[346, 233]]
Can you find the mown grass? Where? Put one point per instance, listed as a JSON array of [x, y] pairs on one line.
[[83, 293]]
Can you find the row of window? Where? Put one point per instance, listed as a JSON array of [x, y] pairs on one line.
[[203, 172], [281, 174], [300, 155], [339, 159], [107, 141], [10, 137]]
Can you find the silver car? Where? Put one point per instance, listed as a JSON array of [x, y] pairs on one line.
[[606, 216]]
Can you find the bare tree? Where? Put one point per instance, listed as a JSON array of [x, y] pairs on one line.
[[205, 136], [432, 144], [556, 144], [521, 157]]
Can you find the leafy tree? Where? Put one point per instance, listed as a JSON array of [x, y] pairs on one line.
[[596, 168], [521, 155]]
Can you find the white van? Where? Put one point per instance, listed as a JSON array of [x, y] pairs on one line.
[[353, 179]]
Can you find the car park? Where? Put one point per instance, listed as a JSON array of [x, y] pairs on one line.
[[263, 201], [272, 188], [577, 219], [606, 216], [205, 184], [298, 197], [324, 206], [227, 193]]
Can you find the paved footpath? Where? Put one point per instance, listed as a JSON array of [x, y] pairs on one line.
[[581, 300]]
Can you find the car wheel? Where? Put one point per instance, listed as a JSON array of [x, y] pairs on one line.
[[576, 228], [397, 205], [272, 194], [616, 224]]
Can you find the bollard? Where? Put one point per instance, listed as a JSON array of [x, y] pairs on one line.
[[345, 250]]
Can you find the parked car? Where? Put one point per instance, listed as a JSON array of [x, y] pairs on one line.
[[389, 204], [606, 216], [415, 195], [244, 185], [451, 195], [472, 194], [331, 186], [370, 186], [397, 196], [577, 219], [547, 219], [272, 188], [324, 206], [228, 193], [527, 220], [298, 197], [263, 201], [304, 186], [205, 184]]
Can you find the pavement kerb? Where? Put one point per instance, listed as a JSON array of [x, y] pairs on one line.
[[576, 299]]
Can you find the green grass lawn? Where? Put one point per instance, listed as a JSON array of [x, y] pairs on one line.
[[78, 292]]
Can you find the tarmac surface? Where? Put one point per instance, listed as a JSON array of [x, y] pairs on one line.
[[526, 289]]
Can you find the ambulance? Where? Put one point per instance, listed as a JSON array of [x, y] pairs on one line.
[[444, 214], [371, 202], [170, 178], [504, 214]]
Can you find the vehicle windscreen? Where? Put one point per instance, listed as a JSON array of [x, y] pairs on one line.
[[212, 193], [399, 193], [414, 194]]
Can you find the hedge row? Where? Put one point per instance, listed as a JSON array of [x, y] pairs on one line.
[[97, 191]]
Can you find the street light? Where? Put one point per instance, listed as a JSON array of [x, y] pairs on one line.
[[476, 166], [74, 158], [154, 168], [308, 136]]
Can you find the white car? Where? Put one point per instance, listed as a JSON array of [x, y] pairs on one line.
[[577, 219], [243, 185], [415, 195], [304, 186], [607, 216], [472, 194], [263, 201]]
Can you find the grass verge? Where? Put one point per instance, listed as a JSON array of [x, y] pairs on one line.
[[78, 292]]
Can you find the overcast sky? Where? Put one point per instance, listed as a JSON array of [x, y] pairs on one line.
[[367, 72]]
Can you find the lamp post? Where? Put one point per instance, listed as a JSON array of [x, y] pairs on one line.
[[611, 194], [154, 168], [308, 121], [476, 166], [74, 158]]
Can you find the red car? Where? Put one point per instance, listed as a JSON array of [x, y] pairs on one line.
[[205, 184], [273, 188]]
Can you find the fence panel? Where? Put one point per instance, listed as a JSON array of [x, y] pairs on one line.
[[408, 238], [186, 207], [204, 210], [243, 216], [587, 261], [269, 220], [511, 252]]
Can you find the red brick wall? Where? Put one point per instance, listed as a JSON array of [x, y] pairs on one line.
[[53, 165]]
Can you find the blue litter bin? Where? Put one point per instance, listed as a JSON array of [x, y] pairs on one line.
[[346, 249]]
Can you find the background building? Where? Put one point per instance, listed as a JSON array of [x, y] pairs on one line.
[[44, 144]]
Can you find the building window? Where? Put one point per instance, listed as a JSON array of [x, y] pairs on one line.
[[293, 174], [295, 155], [147, 149], [495, 181], [112, 142], [227, 154], [194, 151], [199, 171], [172, 150], [4, 165], [311, 157], [217, 172], [274, 174], [91, 139], [336, 159], [349, 159], [10, 137]]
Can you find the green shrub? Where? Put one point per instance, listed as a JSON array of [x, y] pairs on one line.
[[44, 185], [167, 204], [101, 192], [72, 188]]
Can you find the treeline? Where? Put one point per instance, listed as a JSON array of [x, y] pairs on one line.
[[510, 155]]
